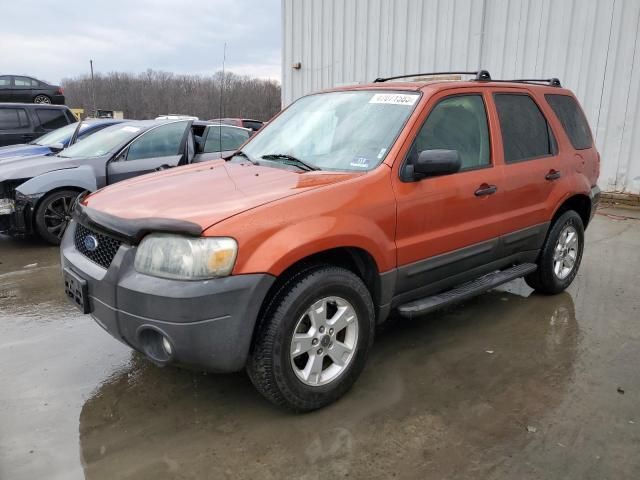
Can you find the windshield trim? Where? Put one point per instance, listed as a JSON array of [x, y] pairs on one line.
[[418, 92]]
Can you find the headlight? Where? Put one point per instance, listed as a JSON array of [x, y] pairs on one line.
[[186, 258], [7, 206]]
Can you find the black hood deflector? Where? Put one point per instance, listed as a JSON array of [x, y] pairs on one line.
[[131, 230]]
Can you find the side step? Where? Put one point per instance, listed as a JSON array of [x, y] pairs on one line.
[[465, 291]]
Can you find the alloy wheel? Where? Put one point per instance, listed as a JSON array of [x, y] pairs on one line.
[[324, 341], [566, 252], [57, 215], [42, 99]]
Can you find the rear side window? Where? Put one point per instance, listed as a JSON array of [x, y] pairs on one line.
[[51, 118], [457, 123], [572, 119], [13, 118], [222, 139], [24, 82], [525, 132], [5, 81]]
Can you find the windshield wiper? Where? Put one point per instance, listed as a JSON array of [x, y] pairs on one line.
[[291, 160], [240, 153]]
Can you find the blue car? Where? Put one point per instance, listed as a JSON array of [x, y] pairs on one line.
[[57, 140]]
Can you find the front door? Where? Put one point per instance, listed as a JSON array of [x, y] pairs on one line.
[[159, 148], [449, 225]]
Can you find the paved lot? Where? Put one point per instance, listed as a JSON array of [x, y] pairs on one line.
[[509, 385]]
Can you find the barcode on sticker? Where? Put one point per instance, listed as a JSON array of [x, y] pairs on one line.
[[394, 98]]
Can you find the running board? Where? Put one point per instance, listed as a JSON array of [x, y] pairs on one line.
[[465, 291]]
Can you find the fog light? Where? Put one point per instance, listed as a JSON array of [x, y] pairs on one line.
[[166, 345], [7, 206]]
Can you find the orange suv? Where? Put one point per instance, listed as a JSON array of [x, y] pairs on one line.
[[351, 204]]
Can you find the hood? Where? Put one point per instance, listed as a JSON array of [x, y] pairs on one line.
[[29, 167], [22, 150], [206, 193]]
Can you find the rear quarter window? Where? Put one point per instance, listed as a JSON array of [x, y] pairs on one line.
[[51, 118], [525, 132], [572, 119]]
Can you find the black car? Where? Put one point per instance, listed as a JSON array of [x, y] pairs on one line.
[[24, 122], [17, 88]]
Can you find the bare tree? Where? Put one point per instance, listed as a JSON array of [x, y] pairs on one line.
[[153, 93]]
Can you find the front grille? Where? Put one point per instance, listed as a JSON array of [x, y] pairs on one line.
[[106, 248]]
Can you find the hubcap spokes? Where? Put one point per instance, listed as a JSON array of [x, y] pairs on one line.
[[566, 252], [324, 341], [57, 215]]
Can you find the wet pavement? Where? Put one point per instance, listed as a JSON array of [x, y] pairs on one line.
[[508, 385]]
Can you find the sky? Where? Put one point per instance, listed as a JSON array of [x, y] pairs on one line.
[[51, 40]]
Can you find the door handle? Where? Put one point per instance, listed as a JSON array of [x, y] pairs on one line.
[[553, 175], [486, 189]]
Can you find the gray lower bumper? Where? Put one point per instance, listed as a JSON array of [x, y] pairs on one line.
[[209, 324]]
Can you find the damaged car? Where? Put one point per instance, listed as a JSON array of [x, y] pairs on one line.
[[37, 193]]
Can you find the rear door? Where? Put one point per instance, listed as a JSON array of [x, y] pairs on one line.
[[220, 141], [22, 89], [15, 126], [6, 93], [156, 149], [534, 168], [448, 225]]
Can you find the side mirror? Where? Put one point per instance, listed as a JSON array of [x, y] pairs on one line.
[[431, 163], [56, 147]]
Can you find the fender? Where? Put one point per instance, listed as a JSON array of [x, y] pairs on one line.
[[82, 177], [288, 245]]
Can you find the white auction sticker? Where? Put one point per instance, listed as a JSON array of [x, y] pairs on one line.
[[130, 129], [394, 98]]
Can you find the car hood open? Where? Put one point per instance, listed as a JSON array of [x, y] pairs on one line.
[[206, 193]]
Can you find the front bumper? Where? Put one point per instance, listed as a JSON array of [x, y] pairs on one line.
[[19, 223], [209, 324]]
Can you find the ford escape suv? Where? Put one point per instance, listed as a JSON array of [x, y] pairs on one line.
[[351, 204]]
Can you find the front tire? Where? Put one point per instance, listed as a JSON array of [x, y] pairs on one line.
[[561, 255], [54, 214], [313, 339]]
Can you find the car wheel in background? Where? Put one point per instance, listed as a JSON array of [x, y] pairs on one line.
[[41, 99], [53, 215], [560, 256], [313, 339]]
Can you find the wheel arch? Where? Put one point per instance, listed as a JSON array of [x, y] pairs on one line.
[[580, 203], [355, 259]]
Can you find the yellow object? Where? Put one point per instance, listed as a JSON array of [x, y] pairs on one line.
[[78, 112]]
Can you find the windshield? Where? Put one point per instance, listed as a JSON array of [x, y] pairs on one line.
[[351, 130], [61, 135], [102, 142]]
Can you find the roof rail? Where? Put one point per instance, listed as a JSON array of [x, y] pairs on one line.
[[480, 75], [552, 82]]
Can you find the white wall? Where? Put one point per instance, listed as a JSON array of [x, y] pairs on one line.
[[593, 46]]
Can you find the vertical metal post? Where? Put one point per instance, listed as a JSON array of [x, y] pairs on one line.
[[93, 91]]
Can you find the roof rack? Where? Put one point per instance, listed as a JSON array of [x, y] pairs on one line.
[[552, 82], [482, 75]]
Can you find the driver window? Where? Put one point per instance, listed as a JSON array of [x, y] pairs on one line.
[[457, 123], [163, 141]]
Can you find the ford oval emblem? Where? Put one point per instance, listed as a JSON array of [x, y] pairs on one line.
[[90, 243]]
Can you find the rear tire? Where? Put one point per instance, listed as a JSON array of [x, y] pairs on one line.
[[53, 215], [561, 255], [292, 361], [42, 99]]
